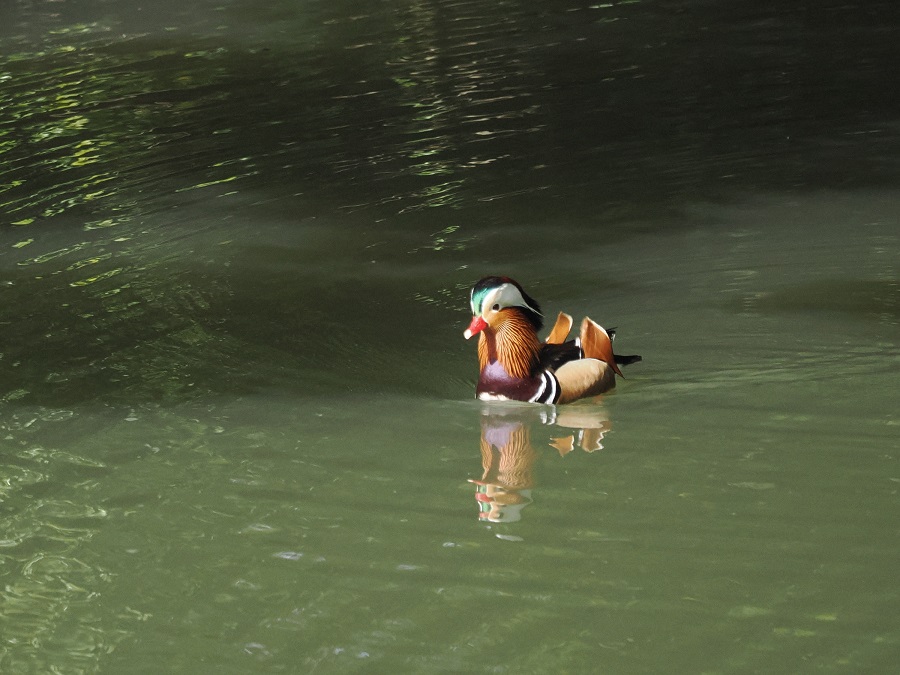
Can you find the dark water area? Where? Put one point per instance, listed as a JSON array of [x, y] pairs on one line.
[[389, 125], [237, 426]]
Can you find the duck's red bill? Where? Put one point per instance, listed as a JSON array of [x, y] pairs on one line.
[[478, 324]]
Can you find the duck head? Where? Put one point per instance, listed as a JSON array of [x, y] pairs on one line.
[[493, 298]]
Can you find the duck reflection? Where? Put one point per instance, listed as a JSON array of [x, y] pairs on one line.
[[508, 456]]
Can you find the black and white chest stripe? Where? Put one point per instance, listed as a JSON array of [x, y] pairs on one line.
[[548, 392]]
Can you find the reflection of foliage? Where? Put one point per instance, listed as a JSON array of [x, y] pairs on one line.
[[107, 141], [94, 135], [84, 127]]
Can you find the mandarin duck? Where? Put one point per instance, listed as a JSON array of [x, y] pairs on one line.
[[515, 365]]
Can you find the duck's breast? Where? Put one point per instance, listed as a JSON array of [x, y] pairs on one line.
[[495, 383]]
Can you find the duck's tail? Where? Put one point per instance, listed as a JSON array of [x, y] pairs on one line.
[[627, 359], [622, 359]]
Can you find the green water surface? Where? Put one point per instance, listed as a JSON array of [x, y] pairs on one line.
[[237, 424]]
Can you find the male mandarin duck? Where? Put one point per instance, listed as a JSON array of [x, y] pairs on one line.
[[515, 365]]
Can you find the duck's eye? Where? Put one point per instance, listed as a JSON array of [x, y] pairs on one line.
[[496, 308]]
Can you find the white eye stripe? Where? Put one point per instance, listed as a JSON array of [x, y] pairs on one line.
[[509, 296], [491, 299], [501, 297]]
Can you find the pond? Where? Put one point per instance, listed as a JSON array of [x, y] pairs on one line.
[[238, 431]]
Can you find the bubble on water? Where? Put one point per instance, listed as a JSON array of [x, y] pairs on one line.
[[256, 649], [509, 537], [57, 415], [289, 555]]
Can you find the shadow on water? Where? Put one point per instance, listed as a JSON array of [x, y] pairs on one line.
[[455, 138], [237, 319]]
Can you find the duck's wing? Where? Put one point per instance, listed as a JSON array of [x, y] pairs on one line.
[[597, 344], [560, 330], [552, 356]]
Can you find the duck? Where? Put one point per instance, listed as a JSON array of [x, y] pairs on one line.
[[515, 365]]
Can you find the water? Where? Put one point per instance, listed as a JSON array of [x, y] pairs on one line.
[[236, 410]]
